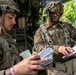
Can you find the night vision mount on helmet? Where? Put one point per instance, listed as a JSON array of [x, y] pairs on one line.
[[9, 6]]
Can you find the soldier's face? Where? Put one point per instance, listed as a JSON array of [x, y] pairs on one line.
[[54, 17], [9, 21]]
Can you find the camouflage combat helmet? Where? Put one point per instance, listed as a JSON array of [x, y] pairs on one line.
[[8, 6], [54, 6]]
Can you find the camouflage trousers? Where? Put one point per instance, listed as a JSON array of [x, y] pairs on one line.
[[67, 68]]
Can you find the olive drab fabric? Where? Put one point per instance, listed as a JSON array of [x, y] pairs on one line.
[[60, 34], [8, 52]]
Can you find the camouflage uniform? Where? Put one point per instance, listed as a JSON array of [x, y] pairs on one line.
[[9, 54], [53, 36]]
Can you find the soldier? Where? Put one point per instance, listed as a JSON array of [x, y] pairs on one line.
[[57, 35], [10, 61]]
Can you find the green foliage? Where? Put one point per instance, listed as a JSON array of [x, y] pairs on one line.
[[42, 16], [69, 14]]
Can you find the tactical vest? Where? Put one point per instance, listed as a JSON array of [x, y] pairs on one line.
[[10, 53]]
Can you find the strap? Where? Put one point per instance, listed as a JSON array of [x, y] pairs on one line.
[[46, 34]]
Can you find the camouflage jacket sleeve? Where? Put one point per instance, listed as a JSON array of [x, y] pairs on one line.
[[1, 59], [40, 43], [72, 31], [1, 55]]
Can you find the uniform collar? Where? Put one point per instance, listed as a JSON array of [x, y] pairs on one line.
[[53, 25]]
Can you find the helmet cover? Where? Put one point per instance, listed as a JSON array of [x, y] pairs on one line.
[[54, 6], [9, 6]]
